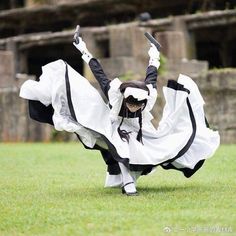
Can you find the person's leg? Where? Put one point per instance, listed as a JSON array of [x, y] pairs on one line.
[[128, 181], [112, 165], [117, 174], [113, 177]]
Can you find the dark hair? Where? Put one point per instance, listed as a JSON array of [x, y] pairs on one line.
[[124, 135], [131, 100], [133, 84]]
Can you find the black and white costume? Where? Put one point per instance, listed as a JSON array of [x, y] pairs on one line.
[[67, 100]]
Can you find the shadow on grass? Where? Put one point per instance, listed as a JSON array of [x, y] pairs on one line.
[[168, 189], [165, 189], [96, 192]]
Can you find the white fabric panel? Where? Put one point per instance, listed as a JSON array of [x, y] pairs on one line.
[[95, 119]]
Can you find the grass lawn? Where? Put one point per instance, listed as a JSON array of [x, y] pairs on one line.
[[57, 189]]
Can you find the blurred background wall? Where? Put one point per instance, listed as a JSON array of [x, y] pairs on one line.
[[197, 37]]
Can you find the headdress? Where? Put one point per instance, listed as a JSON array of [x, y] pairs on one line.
[[134, 92]]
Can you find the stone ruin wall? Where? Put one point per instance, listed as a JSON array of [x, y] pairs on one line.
[[218, 87], [15, 124], [219, 92]]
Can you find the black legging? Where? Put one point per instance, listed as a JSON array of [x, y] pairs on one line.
[[112, 165]]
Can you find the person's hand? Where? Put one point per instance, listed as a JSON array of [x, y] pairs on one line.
[[154, 55], [81, 46], [153, 52]]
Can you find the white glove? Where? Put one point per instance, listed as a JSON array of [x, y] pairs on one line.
[[154, 56], [81, 46]]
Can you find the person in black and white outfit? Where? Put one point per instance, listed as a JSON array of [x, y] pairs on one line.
[[121, 129]]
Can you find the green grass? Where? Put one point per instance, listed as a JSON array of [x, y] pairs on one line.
[[57, 189]]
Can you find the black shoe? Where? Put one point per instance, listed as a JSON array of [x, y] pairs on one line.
[[131, 193]]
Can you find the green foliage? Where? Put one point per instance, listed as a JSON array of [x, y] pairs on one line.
[[162, 68], [40, 1], [220, 70], [57, 189]]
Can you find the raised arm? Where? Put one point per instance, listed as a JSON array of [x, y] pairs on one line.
[[100, 76], [154, 63], [94, 65]]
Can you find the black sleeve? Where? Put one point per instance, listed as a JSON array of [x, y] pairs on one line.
[[151, 76], [100, 76], [40, 112]]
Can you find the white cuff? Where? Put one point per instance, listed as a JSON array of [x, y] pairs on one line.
[[87, 56], [154, 62]]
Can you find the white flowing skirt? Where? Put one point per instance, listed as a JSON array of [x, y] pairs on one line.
[[181, 141]]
